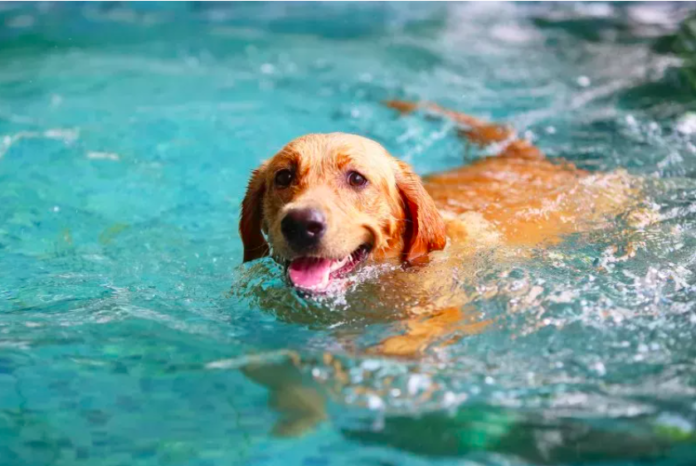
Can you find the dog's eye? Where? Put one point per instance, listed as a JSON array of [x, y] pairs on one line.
[[356, 179], [283, 178]]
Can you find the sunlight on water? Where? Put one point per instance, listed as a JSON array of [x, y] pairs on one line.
[[127, 135]]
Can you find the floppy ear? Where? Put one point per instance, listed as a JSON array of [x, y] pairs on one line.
[[425, 229], [255, 245]]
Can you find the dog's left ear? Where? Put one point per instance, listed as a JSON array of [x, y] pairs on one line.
[[255, 245], [425, 228]]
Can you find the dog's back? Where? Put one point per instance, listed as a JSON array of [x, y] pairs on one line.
[[519, 197]]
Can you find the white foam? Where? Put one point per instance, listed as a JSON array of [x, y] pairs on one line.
[[103, 156]]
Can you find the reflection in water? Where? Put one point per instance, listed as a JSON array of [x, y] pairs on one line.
[[476, 429]]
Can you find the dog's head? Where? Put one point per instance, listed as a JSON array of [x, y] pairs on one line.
[[327, 202]]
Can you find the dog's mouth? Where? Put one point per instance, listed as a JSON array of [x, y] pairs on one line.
[[317, 273]]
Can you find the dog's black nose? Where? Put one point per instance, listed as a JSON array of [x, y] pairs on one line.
[[303, 228]]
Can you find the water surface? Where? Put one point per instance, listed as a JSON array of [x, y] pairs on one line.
[[127, 135]]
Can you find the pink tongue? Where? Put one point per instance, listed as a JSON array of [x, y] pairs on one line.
[[310, 272]]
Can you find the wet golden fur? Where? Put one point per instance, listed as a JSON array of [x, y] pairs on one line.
[[517, 199], [392, 212]]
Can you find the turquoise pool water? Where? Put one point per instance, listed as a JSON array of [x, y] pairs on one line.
[[127, 134]]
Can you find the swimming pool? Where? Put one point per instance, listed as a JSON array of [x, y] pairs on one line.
[[127, 135]]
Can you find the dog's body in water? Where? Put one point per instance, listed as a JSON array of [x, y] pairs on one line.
[[327, 203]]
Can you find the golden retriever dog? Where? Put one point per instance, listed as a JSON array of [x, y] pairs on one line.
[[327, 203]]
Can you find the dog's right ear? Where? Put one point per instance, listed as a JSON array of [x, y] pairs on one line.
[[255, 245]]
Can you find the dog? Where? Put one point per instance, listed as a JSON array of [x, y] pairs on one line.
[[327, 203]]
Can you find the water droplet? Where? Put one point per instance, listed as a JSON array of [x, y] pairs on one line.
[[583, 81], [374, 402], [599, 368], [267, 68]]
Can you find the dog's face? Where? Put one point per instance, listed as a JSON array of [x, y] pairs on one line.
[[327, 202]]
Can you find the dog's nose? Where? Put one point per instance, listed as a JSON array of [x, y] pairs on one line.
[[303, 228]]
